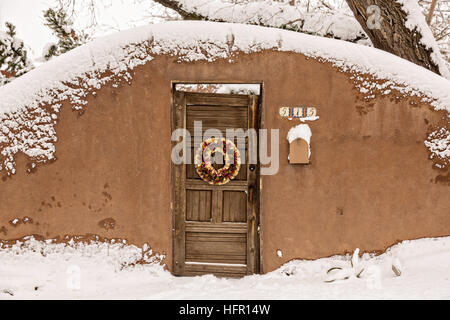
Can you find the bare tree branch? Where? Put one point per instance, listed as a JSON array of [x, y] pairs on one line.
[[431, 12]]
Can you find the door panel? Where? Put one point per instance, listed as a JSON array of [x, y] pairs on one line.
[[234, 206], [230, 248], [218, 117], [198, 205], [215, 227]]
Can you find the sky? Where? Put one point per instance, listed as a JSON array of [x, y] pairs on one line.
[[113, 15]]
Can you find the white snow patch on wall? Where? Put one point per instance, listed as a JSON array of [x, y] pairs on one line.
[[314, 118], [438, 143]]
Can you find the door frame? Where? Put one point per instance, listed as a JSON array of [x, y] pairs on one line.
[[178, 177]]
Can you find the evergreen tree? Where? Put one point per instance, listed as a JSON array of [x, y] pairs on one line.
[[62, 28], [13, 55]]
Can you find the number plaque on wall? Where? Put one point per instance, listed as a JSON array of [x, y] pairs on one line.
[[307, 113]]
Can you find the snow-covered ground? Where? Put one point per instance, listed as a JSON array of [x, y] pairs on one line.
[[102, 271]]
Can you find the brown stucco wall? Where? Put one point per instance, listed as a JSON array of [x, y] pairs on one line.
[[370, 182]]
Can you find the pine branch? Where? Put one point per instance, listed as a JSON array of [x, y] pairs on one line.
[[13, 55], [62, 27]]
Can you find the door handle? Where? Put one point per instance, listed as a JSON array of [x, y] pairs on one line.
[[252, 167]]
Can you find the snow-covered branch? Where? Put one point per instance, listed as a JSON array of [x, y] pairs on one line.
[[337, 23], [13, 55], [416, 21], [400, 28]]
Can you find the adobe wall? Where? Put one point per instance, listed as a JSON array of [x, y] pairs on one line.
[[370, 182]]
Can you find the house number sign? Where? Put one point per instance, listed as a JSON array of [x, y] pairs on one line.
[[298, 112]]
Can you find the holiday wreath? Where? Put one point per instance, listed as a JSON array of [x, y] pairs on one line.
[[204, 165]]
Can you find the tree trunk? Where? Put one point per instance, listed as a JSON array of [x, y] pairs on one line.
[[390, 32]]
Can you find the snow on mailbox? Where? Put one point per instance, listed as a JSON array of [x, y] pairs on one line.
[[299, 138]]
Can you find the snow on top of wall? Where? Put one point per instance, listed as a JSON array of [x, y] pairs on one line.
[[29, 105], [195, 40]]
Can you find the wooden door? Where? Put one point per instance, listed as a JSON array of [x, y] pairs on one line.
[[215, 227]]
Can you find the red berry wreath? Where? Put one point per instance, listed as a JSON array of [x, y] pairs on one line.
[[204, 166]]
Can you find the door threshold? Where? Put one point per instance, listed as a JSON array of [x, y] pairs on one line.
[[216, 269], [216, 264]]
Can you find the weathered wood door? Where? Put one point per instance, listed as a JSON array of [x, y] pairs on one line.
[[215, 227]]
